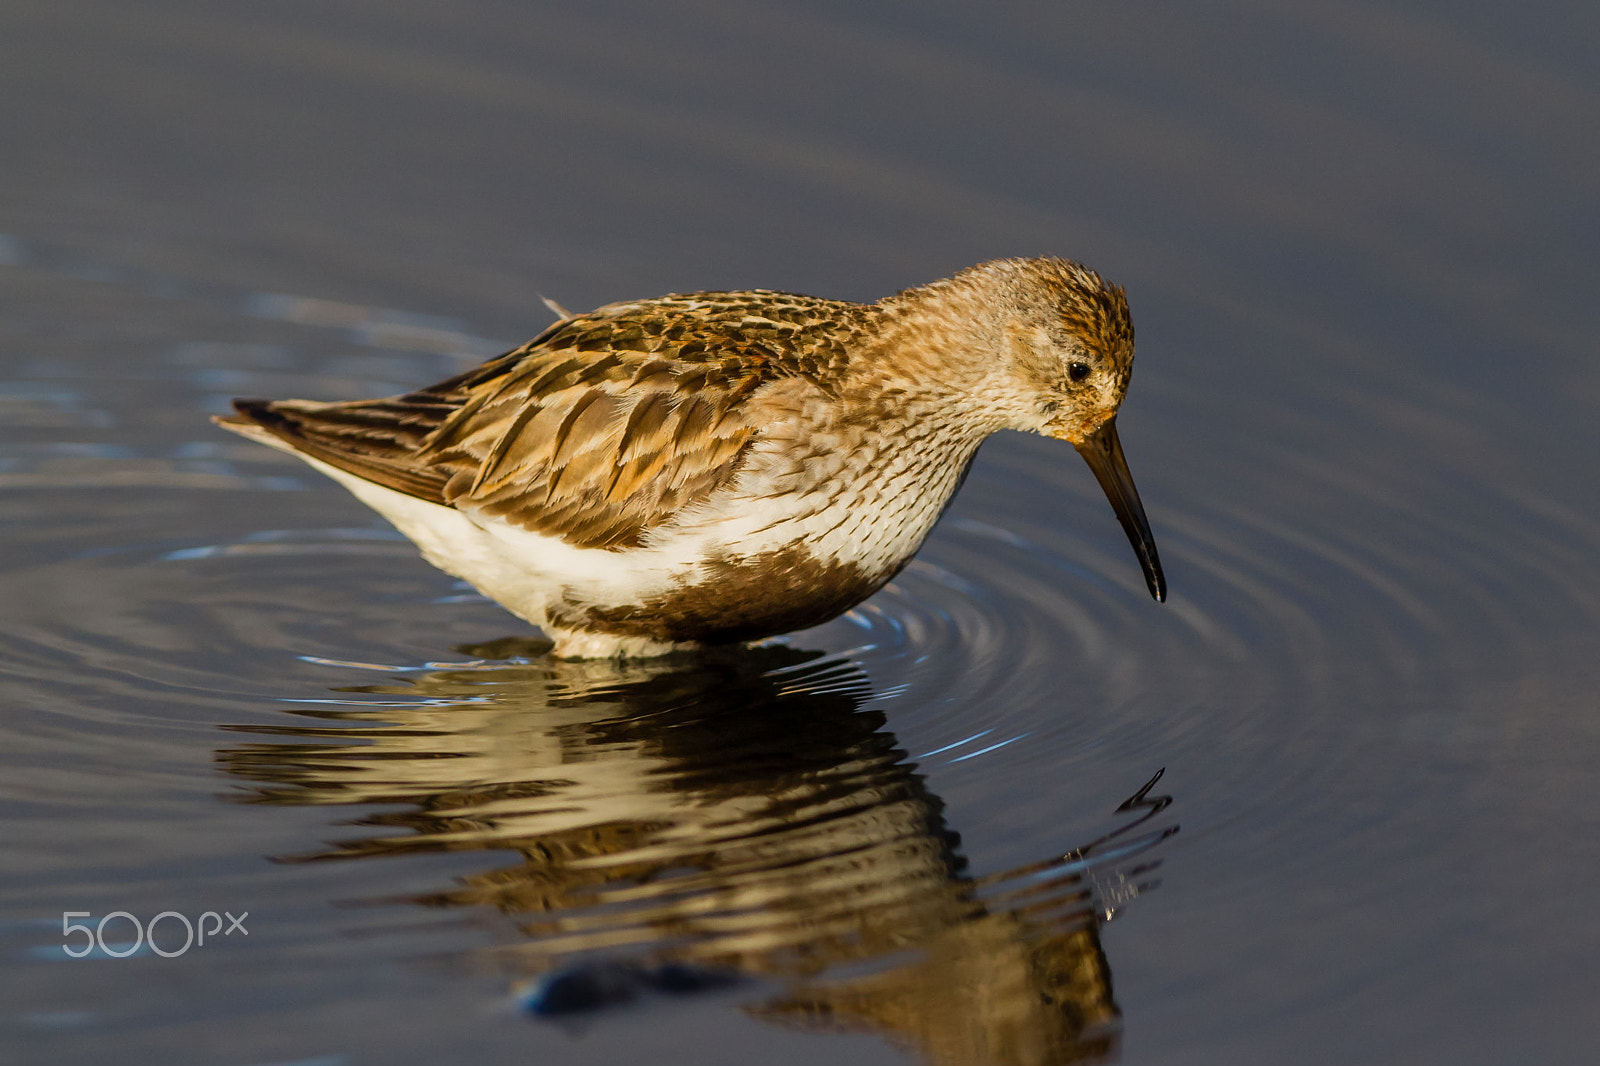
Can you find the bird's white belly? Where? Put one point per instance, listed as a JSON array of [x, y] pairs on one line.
[[522, 570], [529, 573]]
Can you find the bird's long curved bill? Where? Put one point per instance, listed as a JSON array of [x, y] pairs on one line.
[[1103, 452]]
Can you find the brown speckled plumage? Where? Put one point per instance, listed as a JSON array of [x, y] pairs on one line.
[[663, 432], [598, 429]]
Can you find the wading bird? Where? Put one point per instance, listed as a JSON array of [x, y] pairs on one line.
[[726, 466]]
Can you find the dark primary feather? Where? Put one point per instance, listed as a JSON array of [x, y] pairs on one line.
[[596, 431]]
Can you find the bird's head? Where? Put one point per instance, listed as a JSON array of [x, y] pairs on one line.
[[1066, 353]]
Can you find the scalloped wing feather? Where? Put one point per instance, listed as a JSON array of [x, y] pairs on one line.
[[597, 431], [596, 462]]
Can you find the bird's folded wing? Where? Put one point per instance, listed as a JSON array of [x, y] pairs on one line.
[[595, 450], [579, 434]]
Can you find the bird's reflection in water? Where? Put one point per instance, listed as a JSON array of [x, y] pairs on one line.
[[683, 823]]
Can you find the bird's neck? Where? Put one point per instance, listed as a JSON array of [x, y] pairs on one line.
[[939, 356]]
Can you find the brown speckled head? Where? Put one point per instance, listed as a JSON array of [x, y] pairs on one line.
[[1043, 345], [1054, 342], [1071, 339]]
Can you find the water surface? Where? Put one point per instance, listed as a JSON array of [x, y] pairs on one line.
[[1330, 803]]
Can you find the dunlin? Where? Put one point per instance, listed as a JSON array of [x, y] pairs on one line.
[[726, 466]]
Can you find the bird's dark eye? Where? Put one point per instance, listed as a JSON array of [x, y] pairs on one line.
[[1078, 371]]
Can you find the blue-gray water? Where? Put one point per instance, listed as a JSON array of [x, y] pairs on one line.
[[1360, 243]]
